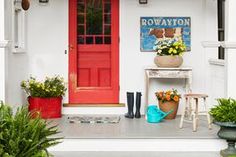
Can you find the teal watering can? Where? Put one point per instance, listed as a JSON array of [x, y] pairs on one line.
[[155, 115]]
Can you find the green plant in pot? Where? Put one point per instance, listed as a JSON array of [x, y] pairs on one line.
[[24, 136], [224, 115], [169, 52], [45, 96]]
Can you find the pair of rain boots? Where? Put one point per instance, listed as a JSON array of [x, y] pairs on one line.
[[130, 102]]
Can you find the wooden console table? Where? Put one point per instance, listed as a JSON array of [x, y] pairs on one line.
[[158, 72]]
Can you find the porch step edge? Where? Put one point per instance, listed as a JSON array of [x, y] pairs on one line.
[[162, 145]]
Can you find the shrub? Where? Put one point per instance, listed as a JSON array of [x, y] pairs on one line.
[[224, 111], [22, 136]]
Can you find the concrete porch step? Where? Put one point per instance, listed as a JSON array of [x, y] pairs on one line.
[[136, 135], [140, 145], [136, 154]]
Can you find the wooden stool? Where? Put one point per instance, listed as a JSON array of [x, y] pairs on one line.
[[192, 112]]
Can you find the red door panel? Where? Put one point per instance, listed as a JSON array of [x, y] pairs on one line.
[[94, 53]]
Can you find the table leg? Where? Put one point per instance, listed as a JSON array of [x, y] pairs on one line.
[[146, 92], [189, 85]]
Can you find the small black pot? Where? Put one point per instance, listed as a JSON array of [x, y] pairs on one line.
[[228, 132]]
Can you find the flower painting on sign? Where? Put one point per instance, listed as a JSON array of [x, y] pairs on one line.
[[156, 30]]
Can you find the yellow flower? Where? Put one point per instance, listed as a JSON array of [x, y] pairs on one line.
[[174, 51], [170, 50]]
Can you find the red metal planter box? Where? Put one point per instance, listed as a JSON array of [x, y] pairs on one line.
[[47, 107]]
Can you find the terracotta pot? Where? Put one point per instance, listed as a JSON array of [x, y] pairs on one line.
[[168, 61], [46, 107], [167, 106]]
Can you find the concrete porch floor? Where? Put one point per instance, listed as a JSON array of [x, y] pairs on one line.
[[136, 137], [135, 129]]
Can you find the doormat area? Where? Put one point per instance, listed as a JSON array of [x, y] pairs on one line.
[[95, 119]]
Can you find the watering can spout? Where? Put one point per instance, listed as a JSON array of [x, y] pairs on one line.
[[166, 113]]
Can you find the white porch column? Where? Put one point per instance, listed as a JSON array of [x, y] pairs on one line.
[[2, 51], [230, 45]]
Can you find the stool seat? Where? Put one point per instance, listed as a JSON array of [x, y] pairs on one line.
[[191, 110], [196, 95]]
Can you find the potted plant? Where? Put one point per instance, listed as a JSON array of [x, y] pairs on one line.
[[168, 101], [169, 52], [224, 115], [22, 136], [45, 97]]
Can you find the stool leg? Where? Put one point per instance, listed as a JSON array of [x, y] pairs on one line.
[[207, 114], [183, 114], [195, 116], [194, 122], [190, 108]]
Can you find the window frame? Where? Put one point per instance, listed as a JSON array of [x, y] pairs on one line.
[[221, 27], [18, 28]]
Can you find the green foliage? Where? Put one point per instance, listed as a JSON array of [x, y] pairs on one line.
[[94, 17], [22, 136], [50, 87], [225, 111]]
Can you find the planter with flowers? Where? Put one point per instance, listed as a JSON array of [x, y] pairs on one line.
[[45, 97], [169, 53], [224, 115], [168, 101]]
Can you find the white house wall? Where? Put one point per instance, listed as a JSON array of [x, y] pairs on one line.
[[47, 36], [16, 64], [2, 52], [231, 52]]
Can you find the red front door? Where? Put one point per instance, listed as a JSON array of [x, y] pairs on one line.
[[94, 51]]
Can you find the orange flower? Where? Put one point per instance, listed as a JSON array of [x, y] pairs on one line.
[[160, 94], [168, 97], [176, 98], [168, 92]]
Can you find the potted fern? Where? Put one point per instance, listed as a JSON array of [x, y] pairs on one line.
[[22, 136], [224, 115], [45, 96]]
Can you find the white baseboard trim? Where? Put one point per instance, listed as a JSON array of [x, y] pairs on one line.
[[170, 145]]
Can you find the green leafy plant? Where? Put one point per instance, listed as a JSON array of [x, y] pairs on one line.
[[171, 47], [50, 87], [224, 111], [23, 136]]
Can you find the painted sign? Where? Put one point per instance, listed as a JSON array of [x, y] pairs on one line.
[[154, 29]]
